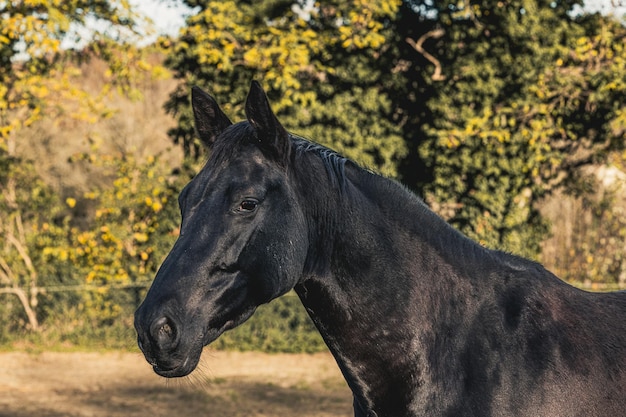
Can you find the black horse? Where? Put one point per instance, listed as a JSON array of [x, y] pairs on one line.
[[421, 320]]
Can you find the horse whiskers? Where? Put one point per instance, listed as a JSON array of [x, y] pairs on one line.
[[197, 380], [200, 378]]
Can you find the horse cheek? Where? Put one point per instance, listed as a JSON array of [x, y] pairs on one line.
[[292, 250], [280, 251]]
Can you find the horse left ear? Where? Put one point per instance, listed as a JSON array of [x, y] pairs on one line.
[[271, 134]]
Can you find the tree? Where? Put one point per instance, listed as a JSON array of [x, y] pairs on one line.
[[529, 92], [496, 103], [34, 68], [317, 61], [36, 78], [135, 221]]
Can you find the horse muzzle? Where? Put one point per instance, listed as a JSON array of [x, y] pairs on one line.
[[160, 341]]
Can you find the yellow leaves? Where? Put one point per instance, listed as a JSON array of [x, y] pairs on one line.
[[284, 54], [120, 245], [42, 81], [283, 51], [489, 128], [618, 123], [141, 237], [34, 31], [156, 206], [453, 140], [63, 255], [252, 57], [82, 238], [363, 25], [220, 32], [30, 93]]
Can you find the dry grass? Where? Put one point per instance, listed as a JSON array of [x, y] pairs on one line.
[[122, 384]]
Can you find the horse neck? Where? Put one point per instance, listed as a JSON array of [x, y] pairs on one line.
[[375, 236], [378, 280]]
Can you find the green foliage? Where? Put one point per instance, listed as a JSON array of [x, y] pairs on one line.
[[484, 108], [280, 326], [531, 94], [36, 78], [528, 93], [134, 225], [319, 66]]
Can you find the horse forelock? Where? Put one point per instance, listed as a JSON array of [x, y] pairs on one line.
[[230, 142]]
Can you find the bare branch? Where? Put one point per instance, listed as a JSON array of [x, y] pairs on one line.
[[30, 312], [417, 45], [23, 254], [6, 273]]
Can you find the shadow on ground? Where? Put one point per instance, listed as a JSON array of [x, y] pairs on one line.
[[112, 386]]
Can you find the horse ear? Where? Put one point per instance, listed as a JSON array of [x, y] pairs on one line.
[[209, 119], [271, 134]]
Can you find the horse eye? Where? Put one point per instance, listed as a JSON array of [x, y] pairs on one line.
[[247, 206]]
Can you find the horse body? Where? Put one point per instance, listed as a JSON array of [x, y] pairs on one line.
[[421, 320], [438, 325]]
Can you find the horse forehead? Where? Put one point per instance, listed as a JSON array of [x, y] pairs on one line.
[[249, 167], [245, 168]]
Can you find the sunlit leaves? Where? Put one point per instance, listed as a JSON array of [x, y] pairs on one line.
[[36, 74], [362, 25], [317, 62], [38, 77], [134, 223], [532, 96]]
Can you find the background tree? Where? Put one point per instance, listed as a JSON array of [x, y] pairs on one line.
[[499, 103], [319, 65], [484, 109], [529, 92], [36, 78], [115, 256]]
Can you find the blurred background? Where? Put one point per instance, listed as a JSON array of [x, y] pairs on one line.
[[507, 117]]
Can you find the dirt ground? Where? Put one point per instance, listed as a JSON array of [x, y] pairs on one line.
[[123, 384]]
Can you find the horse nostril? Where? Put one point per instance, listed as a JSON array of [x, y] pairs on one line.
[[163, 332]]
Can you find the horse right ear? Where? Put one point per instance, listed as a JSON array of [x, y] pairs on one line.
[[209, 119]]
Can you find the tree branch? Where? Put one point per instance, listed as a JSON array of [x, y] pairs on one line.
[[417, 45], [30, 312]]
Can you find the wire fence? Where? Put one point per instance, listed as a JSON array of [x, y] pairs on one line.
[[587, 286]]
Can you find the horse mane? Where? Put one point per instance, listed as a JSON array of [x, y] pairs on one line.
[[334, 163], [461, 251], [441, 235]]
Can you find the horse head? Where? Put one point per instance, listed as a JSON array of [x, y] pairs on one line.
[[242, 242]]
